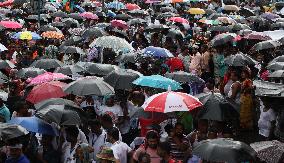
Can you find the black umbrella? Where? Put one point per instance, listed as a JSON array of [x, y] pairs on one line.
[[10, 131], [70, 69], [59, 115], [29, 72], [89, 86], [45, 28], [137, 12], [276, 66], [156, 28], [246, 12], [75, 16], [220, 29], [60, 14], [122, 79], [136, 21], [93, 32], [238, 27], [239, 59], [168, 9], [124, 58], [166, 15], [35, 18], [47, 64], [269, 44], [122, 17], [224, 150], [175, 34], [72, 41], [222, 39], [70, 22], [100, 69], [58, 24], [184, 77], [277, 74], [278, 59], [216, 108], [71, 50], [6, 64]]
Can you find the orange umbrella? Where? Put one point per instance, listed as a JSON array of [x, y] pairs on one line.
[[52, 35]]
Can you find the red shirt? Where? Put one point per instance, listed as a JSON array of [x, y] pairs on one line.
[[175, 64]]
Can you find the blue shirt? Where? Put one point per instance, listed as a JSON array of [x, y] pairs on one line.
[[22, 159], [4, 111]]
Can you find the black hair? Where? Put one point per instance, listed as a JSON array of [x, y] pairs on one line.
[[94, 122], [114, 133], [179, 124], [106, 118], [165, 146], [152, 135], [144, 155], [19, 104], [72, 130]]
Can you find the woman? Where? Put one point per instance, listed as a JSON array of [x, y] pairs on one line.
[[235, 90], [246, 112]]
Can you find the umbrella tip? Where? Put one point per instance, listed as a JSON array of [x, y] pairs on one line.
[[169, 88]]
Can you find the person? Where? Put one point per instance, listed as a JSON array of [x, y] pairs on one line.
[[4, 111], [83, 153], [47, 153], [196, 59], [111, 108], [144, 158], [120, 149], [96, 136], [149, 147], [107, 123], [200, 134], [184, 56], [16, 154], [235, 90], [21, 110], [163, 150]]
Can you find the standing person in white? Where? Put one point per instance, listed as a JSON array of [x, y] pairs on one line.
[[120, 149]]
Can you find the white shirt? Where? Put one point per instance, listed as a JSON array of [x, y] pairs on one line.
[[97, 141], [120, 151], [114, 111], [68, 153], [264, 122], [82, 137]]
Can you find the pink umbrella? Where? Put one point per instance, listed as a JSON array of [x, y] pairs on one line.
[[257, 36], [89, 15], [11, 24], [119, 24], [131, 6], [178, 20], [48, 76]]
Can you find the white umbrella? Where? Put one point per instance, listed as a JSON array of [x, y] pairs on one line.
[[2, 47]]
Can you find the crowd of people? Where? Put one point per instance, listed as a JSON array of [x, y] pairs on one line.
[[212, 50]]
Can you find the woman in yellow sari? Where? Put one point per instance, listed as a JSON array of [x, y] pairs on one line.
[[246, 111]]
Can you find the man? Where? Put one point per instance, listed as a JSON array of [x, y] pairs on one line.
[[97, 136], [120, 149], [163, 151], [47, 153], [71, 143], [16, 155], [184, 56], [107, 124], [4, 111]]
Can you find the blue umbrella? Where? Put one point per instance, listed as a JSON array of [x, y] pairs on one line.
[[116, 5], [157, 52], [157, 81], [23, 35], [34, 124]]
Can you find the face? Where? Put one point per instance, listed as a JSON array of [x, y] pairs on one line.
[[212, 135], [15, 152], [46, 140], [179, 130], [95, 128], [234, 76], [152, 143]]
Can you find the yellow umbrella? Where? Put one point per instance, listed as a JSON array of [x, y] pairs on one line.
[[26, 35], [196, 11]]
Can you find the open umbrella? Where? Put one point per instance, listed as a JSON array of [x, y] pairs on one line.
[[71, 50], [89, 15], [220, 29], [75, 16], [196, 11], [156, 28], [124, 58], [27, 35], [277, 74], [119, 24], [100, 69], [52, 35], [56, 101], [60, 14], [10, 131], [93, 32], [178, 20], [53, 89], [115, 5], [270, 44], [2, 47], [34, 124], [276, 66], [222, 39], [138, 12], [46, 28], [11, 24], [136, 21], [123, 17], [6, 64], [239, 59], [257, 36], [224, 150], [175, 34], [238, 27], [47, 64], [170, 102], [59, 115], [231, 8], [72, 41], [122, 79], [157, 81], [47, 77], [69, 69], [157, 52], [269, 16], [29, 72], [115, 43], [184, 77], [278, 59], [132, 6], [246, 12], [89, 86]]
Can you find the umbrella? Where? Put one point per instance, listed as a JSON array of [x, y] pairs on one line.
[[10, 131], [226, 20], [170, 102], [196, 11], [6, 64], [270, 44], [136, 21], [276, 66], [269, 16], [178, 20], [115, 5], [75, 16], [244, 32], [277, 74], [184, 77], [209, 11], [100, 69], [222, 39], [278, 25], [278, 59], [58, 24], [47, 64], [220, 28], [51, 89], [34, 124], [72, 41], [137, 12], [56, 101], [215, 16], [166, 15], [224, 150], [231, 8], [89, 15], [43, 17], [46, 28], [157, 52], [124, 58], [239, 59], [122, 17], [89, 86], [2, 48], [156, 28], [122, 79], [47, 77], [27, 35], [11, 24], [91, 32], [70, 22], [175, 34], [112, 42], [238, 27], [269, 151], [71, 50], [131, 6], [216, 108], [69, 69], [246, 12], [157, 81], [52, 35], [119, 23], [60, 14], [3, 76], [59, 115], [29, 72]]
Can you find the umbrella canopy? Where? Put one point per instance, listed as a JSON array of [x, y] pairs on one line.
[[100, 69], [157, 52], [89, 86], [184, 77], [136, 21], [231, 8], [89, 15], [178, 20], [115, 5], [220, 28], [115, 43], [10, 131], [119, 24], [124, 58], [75, 16], [131, 6], [246, 12], [2, 48], [239, 59], [170, 102], [157, 81], [224, 150], [27, 35], [52, 89], [47, 64], [269, 16], [277, 74], [60, 14], [216, 108], [72, 41], [257, 36], [138, 12], [270, 44], [222, 39], [175, 34], [52, 35], [46, 28], [59, 115], [93, 32], [71, 50], [69, 69], [6, 64], [123, 17], [276, 66], [238, 27], [278, 59], [196, 11], [29, 72], [56, 101], [156, 28], [34, 124], [122, 78], [11, 24], [47, 77]]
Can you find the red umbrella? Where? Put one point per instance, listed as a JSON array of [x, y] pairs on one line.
[[257, 36], [6, 3], [119, 23], [178, 20], [45, 91], [11, 24], [131, 6], [170, 102], [89, 15]]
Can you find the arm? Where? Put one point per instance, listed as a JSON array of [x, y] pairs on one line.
[[235, 90]]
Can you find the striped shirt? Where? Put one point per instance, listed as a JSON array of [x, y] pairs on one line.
[[176, 153]]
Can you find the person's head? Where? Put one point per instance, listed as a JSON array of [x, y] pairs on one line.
[[95, 126], [15, 150], [202, 126], [163, 149], [106, 121], [228, 132], [144, 158], [113, 135], [212, 133], [152, 139], [46, 140], [71, 133], [210, 84], [235, 76], [110, 101], [21, 107], [246, 74], [179, 129]]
